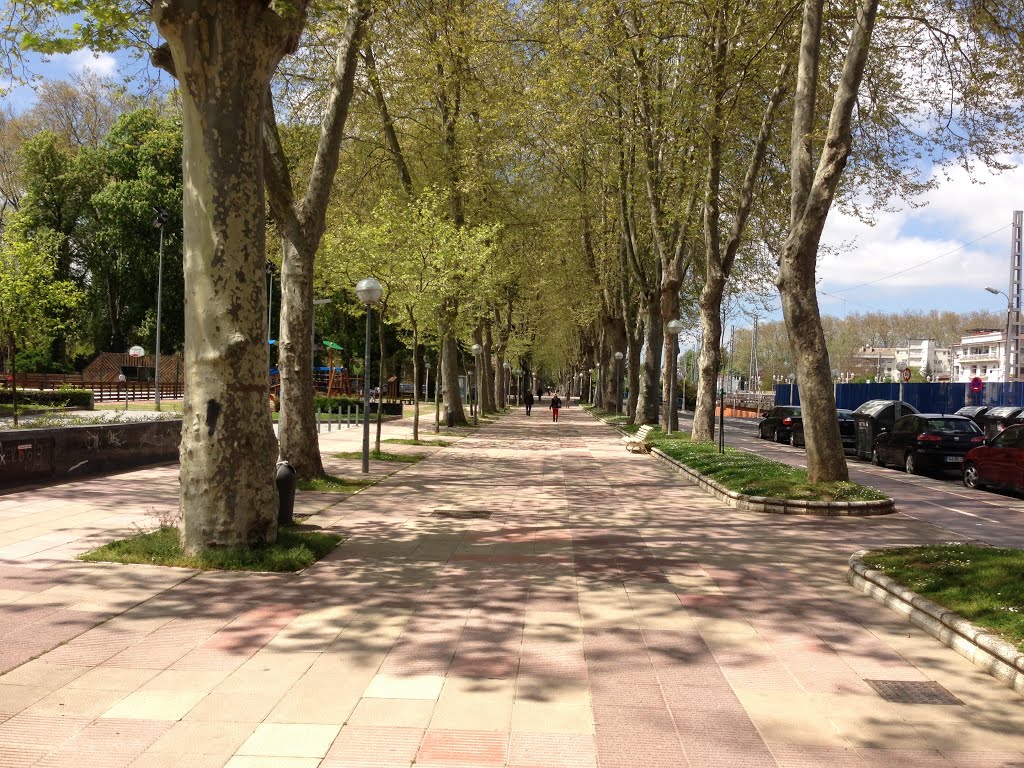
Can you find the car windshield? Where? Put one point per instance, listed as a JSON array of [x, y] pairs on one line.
[[952, 425]]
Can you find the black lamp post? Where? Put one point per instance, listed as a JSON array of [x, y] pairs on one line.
[[369, 292]]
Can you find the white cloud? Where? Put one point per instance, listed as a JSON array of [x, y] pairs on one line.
[[939, 237], [103, 64]]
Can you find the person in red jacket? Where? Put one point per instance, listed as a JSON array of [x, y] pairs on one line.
[[556, 403]]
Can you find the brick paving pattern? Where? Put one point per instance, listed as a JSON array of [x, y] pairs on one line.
[[532, 596]]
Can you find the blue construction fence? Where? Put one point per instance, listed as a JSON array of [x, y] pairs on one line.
[[927, 398]]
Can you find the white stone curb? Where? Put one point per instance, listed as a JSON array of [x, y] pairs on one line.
[[992, 654]]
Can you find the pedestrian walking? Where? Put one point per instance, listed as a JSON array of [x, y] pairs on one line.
[[528, 401], [556, 403], [540, 394]]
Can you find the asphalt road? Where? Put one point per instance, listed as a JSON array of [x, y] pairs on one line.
[[992, 517]]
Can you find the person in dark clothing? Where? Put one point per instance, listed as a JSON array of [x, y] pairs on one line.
[[528, 401], [556, 403], [540, 394]]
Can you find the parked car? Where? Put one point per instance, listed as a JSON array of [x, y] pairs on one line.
[[998, 463], [847, 430], [927, 441], [777, 423]]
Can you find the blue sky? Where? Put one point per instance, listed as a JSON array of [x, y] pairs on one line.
[[940, 255]]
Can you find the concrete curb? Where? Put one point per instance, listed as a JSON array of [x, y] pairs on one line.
[[774, 506], [770, 505], [992, 654]]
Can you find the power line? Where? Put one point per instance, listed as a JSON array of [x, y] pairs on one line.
[[921, 264]]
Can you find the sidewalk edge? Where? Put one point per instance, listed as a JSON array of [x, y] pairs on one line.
[[988, 652], [775, 506]]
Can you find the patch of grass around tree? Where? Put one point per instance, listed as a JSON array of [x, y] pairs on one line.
[[294, 550], [401, 458], [335, 484], [982, 584], [754, 475]]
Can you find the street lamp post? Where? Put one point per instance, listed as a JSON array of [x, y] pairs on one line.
[[792, 378], [426, 386], [368, 291], [1009, 310], [476, 349], [508, 382], [673, 328], [161, 219], [835, 384], [618, 382]]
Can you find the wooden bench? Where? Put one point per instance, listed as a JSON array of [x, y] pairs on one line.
[[637, 443]]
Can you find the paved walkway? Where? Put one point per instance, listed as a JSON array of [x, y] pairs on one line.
[[532, 596]]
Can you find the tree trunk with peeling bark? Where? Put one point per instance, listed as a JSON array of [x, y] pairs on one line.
[[223, 56], [813, 191], [302, 223]]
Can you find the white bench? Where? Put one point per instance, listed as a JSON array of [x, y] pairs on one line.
[[637, 443]]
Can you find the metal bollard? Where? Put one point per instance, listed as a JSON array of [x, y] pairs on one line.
[[348, 417], [285, 481], [339, 417]]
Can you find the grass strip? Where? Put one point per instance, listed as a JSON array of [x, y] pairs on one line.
[[982, 584], [335, 484], [754, 475], [294, 550], [401, 458], [410, 441]]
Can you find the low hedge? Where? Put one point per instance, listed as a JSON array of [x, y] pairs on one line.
[[54, 398]]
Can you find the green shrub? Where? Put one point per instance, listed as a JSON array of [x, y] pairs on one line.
[[65, 397]]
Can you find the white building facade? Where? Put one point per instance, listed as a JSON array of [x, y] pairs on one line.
[[980, 354]]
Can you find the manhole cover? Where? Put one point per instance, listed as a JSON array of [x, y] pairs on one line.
[[462, 514], [909, 692]]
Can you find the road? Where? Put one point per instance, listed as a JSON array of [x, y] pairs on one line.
[[991, 517]]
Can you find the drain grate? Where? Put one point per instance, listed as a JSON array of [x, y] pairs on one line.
[[462, 514], [912, 692]]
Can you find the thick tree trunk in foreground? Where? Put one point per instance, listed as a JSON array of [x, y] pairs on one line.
[[450, 369], [223, 56]]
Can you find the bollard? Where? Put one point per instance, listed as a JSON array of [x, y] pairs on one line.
[[318, 421], [285, 481], [348, 417], [329, 420], [339, 417]]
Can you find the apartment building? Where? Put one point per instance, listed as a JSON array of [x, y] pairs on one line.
[[980, 353]]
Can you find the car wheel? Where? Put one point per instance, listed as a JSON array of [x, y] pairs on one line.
[[773, 435], [875, 458], [971, 479], [910, 463], [779, 438], [792, 439]]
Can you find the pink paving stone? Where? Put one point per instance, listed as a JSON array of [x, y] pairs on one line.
[[630, 737], [107, 743], [370, 747], [252, 630], [809, 756], [457, 747], [985, 759], [45, 732], [548, 750], [902, 758]]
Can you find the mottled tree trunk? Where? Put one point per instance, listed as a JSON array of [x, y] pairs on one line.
[[223, 56], [669, 351], [450, 366], [710, 359], [296, 426], [650, 368]]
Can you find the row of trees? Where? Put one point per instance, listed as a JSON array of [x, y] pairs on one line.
[[554, 181]]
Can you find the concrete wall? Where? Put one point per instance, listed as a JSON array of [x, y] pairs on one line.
[[43, 455]]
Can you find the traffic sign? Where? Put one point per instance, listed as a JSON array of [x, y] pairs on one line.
[[136, 351], [976, 384], [906, 374]]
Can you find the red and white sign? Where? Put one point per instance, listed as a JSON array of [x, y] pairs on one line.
[[906, 374], [976, 384]]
